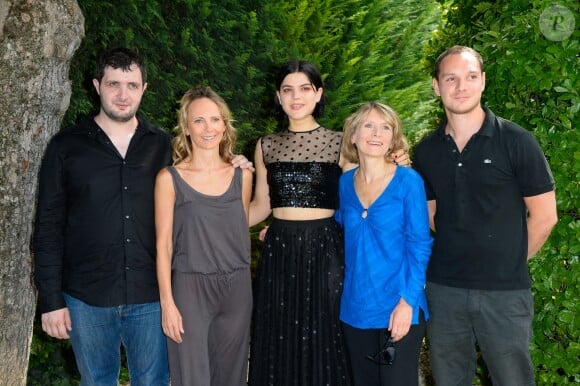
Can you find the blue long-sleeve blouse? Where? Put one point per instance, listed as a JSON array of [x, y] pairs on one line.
[[386, 252]]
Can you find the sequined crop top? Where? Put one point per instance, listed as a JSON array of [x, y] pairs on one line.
[[303, 168]]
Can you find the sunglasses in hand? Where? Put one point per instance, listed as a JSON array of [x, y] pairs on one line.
[[386, 355]]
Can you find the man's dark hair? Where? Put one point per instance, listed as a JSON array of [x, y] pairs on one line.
[[122, 58], [454, 51]]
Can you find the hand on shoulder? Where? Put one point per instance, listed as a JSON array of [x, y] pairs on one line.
[[401, 158], [240, 161]]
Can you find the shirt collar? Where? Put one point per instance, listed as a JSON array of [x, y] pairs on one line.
[[485, 130], [92, 128]]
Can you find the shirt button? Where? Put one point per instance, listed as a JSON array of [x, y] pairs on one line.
[[460, 164], [125, 188], [128, 240], [127, 216]]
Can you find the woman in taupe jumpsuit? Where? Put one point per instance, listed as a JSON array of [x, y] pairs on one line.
[[203, 248]]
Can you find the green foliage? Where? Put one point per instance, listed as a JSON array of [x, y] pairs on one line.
[[184, 43], [51, 361], [389, 36], [366, 50], [535, 82]]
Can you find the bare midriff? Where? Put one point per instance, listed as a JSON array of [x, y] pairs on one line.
[[302, 213]]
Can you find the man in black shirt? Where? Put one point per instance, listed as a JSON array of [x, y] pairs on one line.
[[94, 241], [492, 206]]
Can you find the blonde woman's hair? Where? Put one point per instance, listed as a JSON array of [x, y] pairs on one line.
[[355, 120], [182, 148]]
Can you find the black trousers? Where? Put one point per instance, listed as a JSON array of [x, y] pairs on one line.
[[405, 368]]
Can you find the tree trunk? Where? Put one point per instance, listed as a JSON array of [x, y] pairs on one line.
[[37, 41]]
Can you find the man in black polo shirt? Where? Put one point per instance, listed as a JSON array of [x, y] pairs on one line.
[[492, 206]]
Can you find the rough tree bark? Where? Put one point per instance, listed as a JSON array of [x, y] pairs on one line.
[[37, 41]]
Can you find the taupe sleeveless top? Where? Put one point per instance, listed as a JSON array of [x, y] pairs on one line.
[[210, 233]]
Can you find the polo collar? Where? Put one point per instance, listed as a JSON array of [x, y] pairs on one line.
[[485, 130]]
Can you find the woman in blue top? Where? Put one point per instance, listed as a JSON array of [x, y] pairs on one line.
[[383, 210]]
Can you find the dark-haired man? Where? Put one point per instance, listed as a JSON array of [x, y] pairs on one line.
[[492, 206], [94, 241]]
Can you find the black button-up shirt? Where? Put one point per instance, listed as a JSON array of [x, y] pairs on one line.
[[95, 231]]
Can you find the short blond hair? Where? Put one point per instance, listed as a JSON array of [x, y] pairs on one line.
[[355, 120]]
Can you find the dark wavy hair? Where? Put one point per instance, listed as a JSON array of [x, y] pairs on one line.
[[122, 58], [311, 73]]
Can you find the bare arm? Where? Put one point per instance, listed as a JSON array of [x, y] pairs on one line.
[[171, 320], [432, 206], [542, 216], [247, 191], [260, 205]]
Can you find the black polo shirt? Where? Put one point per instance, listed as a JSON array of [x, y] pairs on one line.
[[480, 222], [95, 232]]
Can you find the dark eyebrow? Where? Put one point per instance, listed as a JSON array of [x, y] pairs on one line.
[[301, 85]]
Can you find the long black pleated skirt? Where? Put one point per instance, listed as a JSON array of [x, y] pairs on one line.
[[296, 337]]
